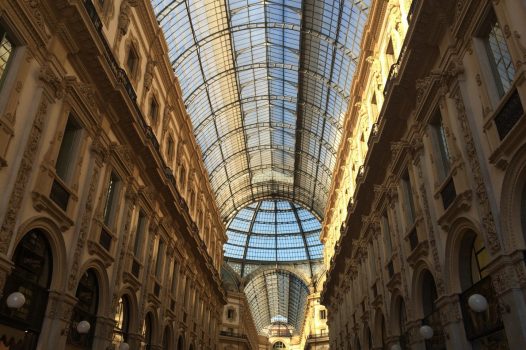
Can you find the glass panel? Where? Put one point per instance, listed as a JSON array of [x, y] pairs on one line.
[[274, 230], [6, 52], [111, 198], [68, 149], [238, 63], [499, 56]]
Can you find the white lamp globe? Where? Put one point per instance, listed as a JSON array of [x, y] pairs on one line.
[[478, 303], [15, 300], [396, 347], [83, 327], [124, 346], [426, 332]]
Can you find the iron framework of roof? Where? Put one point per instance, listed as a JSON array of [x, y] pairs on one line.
[[273, 231], [266, 84], [277, 296]]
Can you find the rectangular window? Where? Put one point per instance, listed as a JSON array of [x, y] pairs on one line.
[[6, 53], [498, 54], [387, 235], [132, 61], [139, 233], [323, 314], [68, 149], [443, 158], [408, 199], [160, 259], [175, 276], [230, 314], [154, 110], [111, 199]]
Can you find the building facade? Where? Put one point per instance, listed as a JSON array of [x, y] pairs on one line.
[[106, 213], [436, 213]]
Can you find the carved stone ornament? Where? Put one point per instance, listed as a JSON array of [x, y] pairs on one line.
[[47, 75], [22, 177], [488, 221], [148, 74], [84, 226]]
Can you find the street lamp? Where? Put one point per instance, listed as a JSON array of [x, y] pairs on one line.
[[426, 332], [478, 303]]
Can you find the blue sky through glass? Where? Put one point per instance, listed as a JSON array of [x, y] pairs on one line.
[[266, 84], [274, 230]]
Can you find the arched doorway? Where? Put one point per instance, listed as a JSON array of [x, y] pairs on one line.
[[147, 331], [166, 338], [31, 275], [402, 324], [85, 310], [180, 343], [122, 321], [431, 314]]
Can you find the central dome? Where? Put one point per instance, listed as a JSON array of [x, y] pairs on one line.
[[274, 231]]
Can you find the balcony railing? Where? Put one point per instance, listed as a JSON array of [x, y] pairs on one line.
[[480, 324]]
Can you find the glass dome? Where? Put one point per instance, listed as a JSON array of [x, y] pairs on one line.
[[274, 231]]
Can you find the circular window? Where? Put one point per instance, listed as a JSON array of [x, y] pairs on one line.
[[279, 345]]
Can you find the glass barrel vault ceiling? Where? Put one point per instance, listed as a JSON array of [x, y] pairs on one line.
[[266, 84], [273, 231]]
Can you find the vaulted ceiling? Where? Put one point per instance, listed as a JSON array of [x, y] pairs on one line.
[[266, 84]]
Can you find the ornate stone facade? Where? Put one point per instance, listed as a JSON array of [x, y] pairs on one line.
[[433, 180], [80, 166]]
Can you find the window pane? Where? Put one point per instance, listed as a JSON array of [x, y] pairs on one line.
[[500, 58], [6, 52], [68, 149], [110, 199]]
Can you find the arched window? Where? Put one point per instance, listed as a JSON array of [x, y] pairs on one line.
[[147, 331], [431, 315], [180, 343], [166, 338], [429, 293], [122, 321], [473, 270], [369, 339], [85, 310], [31, 276], [279, 345]]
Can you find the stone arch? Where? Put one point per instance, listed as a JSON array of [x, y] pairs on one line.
[[512, 201], [167, 340], [180, 342], [50, 230], [156, 331], [103, 281], [417, 287], [397, 301], [379, 331], [462, 229], [133, 305]]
